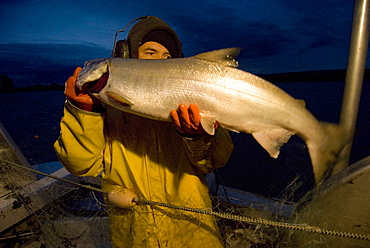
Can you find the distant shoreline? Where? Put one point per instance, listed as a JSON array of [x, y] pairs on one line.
[[286, 77], [310, 76]]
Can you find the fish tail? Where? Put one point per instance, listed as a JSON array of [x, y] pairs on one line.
[[325, 153]]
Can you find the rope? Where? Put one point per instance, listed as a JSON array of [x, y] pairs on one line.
[[250, 220]]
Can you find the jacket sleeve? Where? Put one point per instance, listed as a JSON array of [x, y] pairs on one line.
[[81, 142], [207, 152]]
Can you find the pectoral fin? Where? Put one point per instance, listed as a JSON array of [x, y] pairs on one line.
[[119, 99], [208, 122], [272, 139]]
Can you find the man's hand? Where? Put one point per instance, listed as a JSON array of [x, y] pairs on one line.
[[187, 120], [78, 97]]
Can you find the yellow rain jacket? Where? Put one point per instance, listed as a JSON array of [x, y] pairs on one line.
[[150, 158]]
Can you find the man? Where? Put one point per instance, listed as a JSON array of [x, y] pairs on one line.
[[155, 160]]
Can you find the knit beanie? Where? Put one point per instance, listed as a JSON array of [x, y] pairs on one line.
[[163, 38], [153, 29]]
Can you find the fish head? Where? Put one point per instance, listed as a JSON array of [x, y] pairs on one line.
[[92, 71]]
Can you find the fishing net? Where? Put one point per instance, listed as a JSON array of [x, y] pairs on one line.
[[63, 212], [48, 211], [60, 210]]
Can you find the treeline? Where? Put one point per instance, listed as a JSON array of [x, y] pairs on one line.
[[7, 86]]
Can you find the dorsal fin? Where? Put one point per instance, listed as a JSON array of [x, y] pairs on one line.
[[223, 56]]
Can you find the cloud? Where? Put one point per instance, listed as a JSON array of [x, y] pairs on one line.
[[276, 35], [224, 29], [45, 63]]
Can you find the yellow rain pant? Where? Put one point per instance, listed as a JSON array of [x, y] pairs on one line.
[[150, 158]]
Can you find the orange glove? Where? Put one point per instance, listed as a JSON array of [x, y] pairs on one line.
[[78, 97], [187, 120]]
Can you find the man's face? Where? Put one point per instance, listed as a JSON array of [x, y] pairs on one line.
[[153, 50]]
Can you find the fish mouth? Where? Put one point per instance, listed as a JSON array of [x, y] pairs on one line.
[[96, 86]]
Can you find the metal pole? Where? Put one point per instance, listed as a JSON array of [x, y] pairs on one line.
[[354, 76]]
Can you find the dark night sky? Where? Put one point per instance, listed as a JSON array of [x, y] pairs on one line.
[[42, 40]]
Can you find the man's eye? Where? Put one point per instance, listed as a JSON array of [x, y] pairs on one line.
[[168, 57]]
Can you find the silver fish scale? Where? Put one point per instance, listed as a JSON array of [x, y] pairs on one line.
[[158, 86]]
